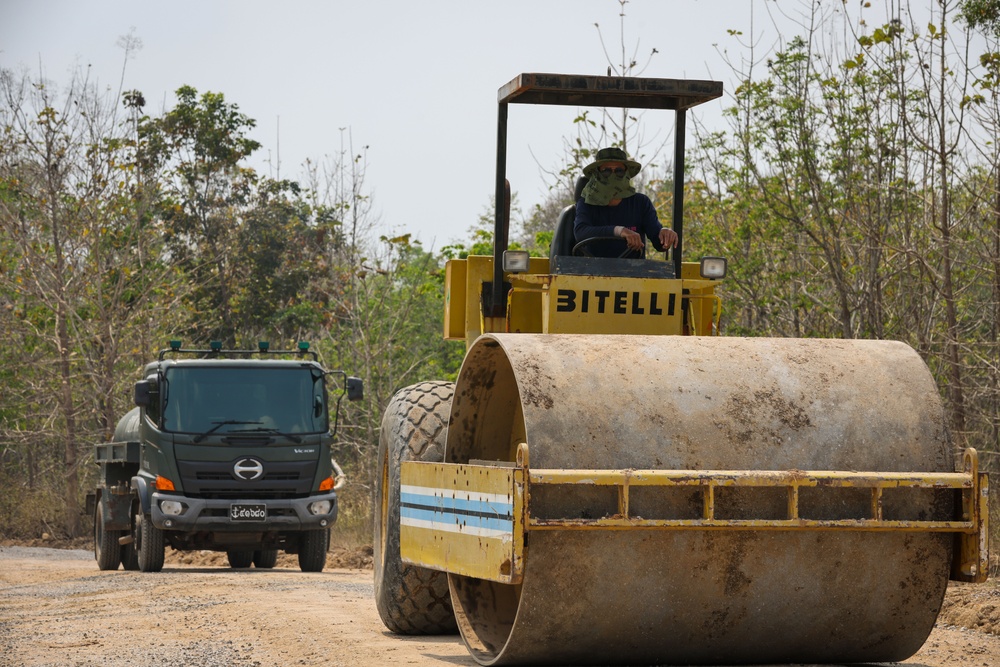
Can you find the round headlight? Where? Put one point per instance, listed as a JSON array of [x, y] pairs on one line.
[[320, 507], [171, 507]]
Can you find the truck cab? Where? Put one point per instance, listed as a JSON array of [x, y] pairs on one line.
[[229, 453]]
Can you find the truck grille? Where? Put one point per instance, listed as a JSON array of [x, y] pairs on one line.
[[272, 477], [213, 479]]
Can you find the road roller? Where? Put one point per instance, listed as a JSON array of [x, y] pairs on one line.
[[610, 481]]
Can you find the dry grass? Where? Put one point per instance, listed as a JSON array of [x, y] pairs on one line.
[[354, 526], [32, 513]]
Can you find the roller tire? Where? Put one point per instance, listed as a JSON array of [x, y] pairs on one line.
[[313, 546], [411, 600], [265, 559], [148, 543], [239, 560], [107, 550]]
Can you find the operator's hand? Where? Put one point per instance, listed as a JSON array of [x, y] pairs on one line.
[[668, 238], [633, 239]]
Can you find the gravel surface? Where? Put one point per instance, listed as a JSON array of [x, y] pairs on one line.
[[38, 553], [58, 610]]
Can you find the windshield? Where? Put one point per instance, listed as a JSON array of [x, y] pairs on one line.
[[243, 400]]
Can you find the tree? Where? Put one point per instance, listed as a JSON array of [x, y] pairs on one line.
[[385, 299], [78, 249], [201, 143], [981, 14], [855, 195]]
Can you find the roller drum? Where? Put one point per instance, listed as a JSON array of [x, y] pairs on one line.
[[713, 596]]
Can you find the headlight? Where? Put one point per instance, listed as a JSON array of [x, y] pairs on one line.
[[515, 261], [320, 507], [713, 268], [172, 507]]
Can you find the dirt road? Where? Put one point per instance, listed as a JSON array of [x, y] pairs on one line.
[[58, 609]]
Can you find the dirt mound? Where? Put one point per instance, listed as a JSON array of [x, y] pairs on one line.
[[358, 558], [86, 543], [351, 558], [972, 606]]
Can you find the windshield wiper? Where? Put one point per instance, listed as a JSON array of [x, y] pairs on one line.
[[264, 429], [198, 438]]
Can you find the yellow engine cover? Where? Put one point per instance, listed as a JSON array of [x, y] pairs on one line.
[[611, 305]]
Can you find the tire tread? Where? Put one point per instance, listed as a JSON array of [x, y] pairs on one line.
[[411, 600]]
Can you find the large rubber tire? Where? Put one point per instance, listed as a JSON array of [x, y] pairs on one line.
[[313, 546], [265, 559], [148, 543], [240, 559], [107, 550], [411, 600], [130, 559]]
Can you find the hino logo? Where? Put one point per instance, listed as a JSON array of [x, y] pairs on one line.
[[248, 470]]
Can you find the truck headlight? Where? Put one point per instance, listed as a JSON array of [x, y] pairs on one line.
[[320, 507], [172, 507]]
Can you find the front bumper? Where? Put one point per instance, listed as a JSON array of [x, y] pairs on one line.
[[202, 514]]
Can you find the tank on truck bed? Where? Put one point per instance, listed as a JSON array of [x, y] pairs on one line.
[[226, 450]]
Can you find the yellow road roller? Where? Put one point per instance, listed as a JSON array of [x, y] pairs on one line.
[[609, 481]]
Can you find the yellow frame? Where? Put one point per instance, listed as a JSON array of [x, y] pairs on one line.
[[502, 558], [464, 519]]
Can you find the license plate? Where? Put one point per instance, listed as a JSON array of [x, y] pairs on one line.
[[246, 512]]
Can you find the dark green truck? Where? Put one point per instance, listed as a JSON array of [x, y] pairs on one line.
[[226, 450]]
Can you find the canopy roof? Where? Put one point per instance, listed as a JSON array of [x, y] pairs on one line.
[[608, 91]]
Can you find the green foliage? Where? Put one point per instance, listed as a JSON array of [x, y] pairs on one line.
[[162, 232], [843, 200], [200, 144], [982, 14]]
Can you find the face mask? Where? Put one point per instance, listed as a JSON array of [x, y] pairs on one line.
[[602, 188]]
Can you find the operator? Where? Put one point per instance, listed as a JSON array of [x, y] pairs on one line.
[[610, 206]]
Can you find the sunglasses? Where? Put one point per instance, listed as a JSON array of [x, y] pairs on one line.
[[607, 171]]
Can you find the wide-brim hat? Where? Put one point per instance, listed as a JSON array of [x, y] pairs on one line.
[[606, 155]]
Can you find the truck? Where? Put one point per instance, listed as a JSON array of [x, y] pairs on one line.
[[225, 450], [611, 481]]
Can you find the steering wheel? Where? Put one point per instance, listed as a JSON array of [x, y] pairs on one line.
[[582, 248]]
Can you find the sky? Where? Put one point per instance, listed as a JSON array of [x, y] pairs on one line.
[[414, 82]]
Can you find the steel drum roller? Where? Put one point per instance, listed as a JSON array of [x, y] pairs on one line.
[[707, 595]]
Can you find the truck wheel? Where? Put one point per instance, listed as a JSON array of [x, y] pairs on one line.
[[313, 546], [265, 559], [240, 559], [411, 600], [130, 559], [107, 551], [148, 543]]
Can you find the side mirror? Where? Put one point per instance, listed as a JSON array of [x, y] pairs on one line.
[[355, 389], [143, 394]]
